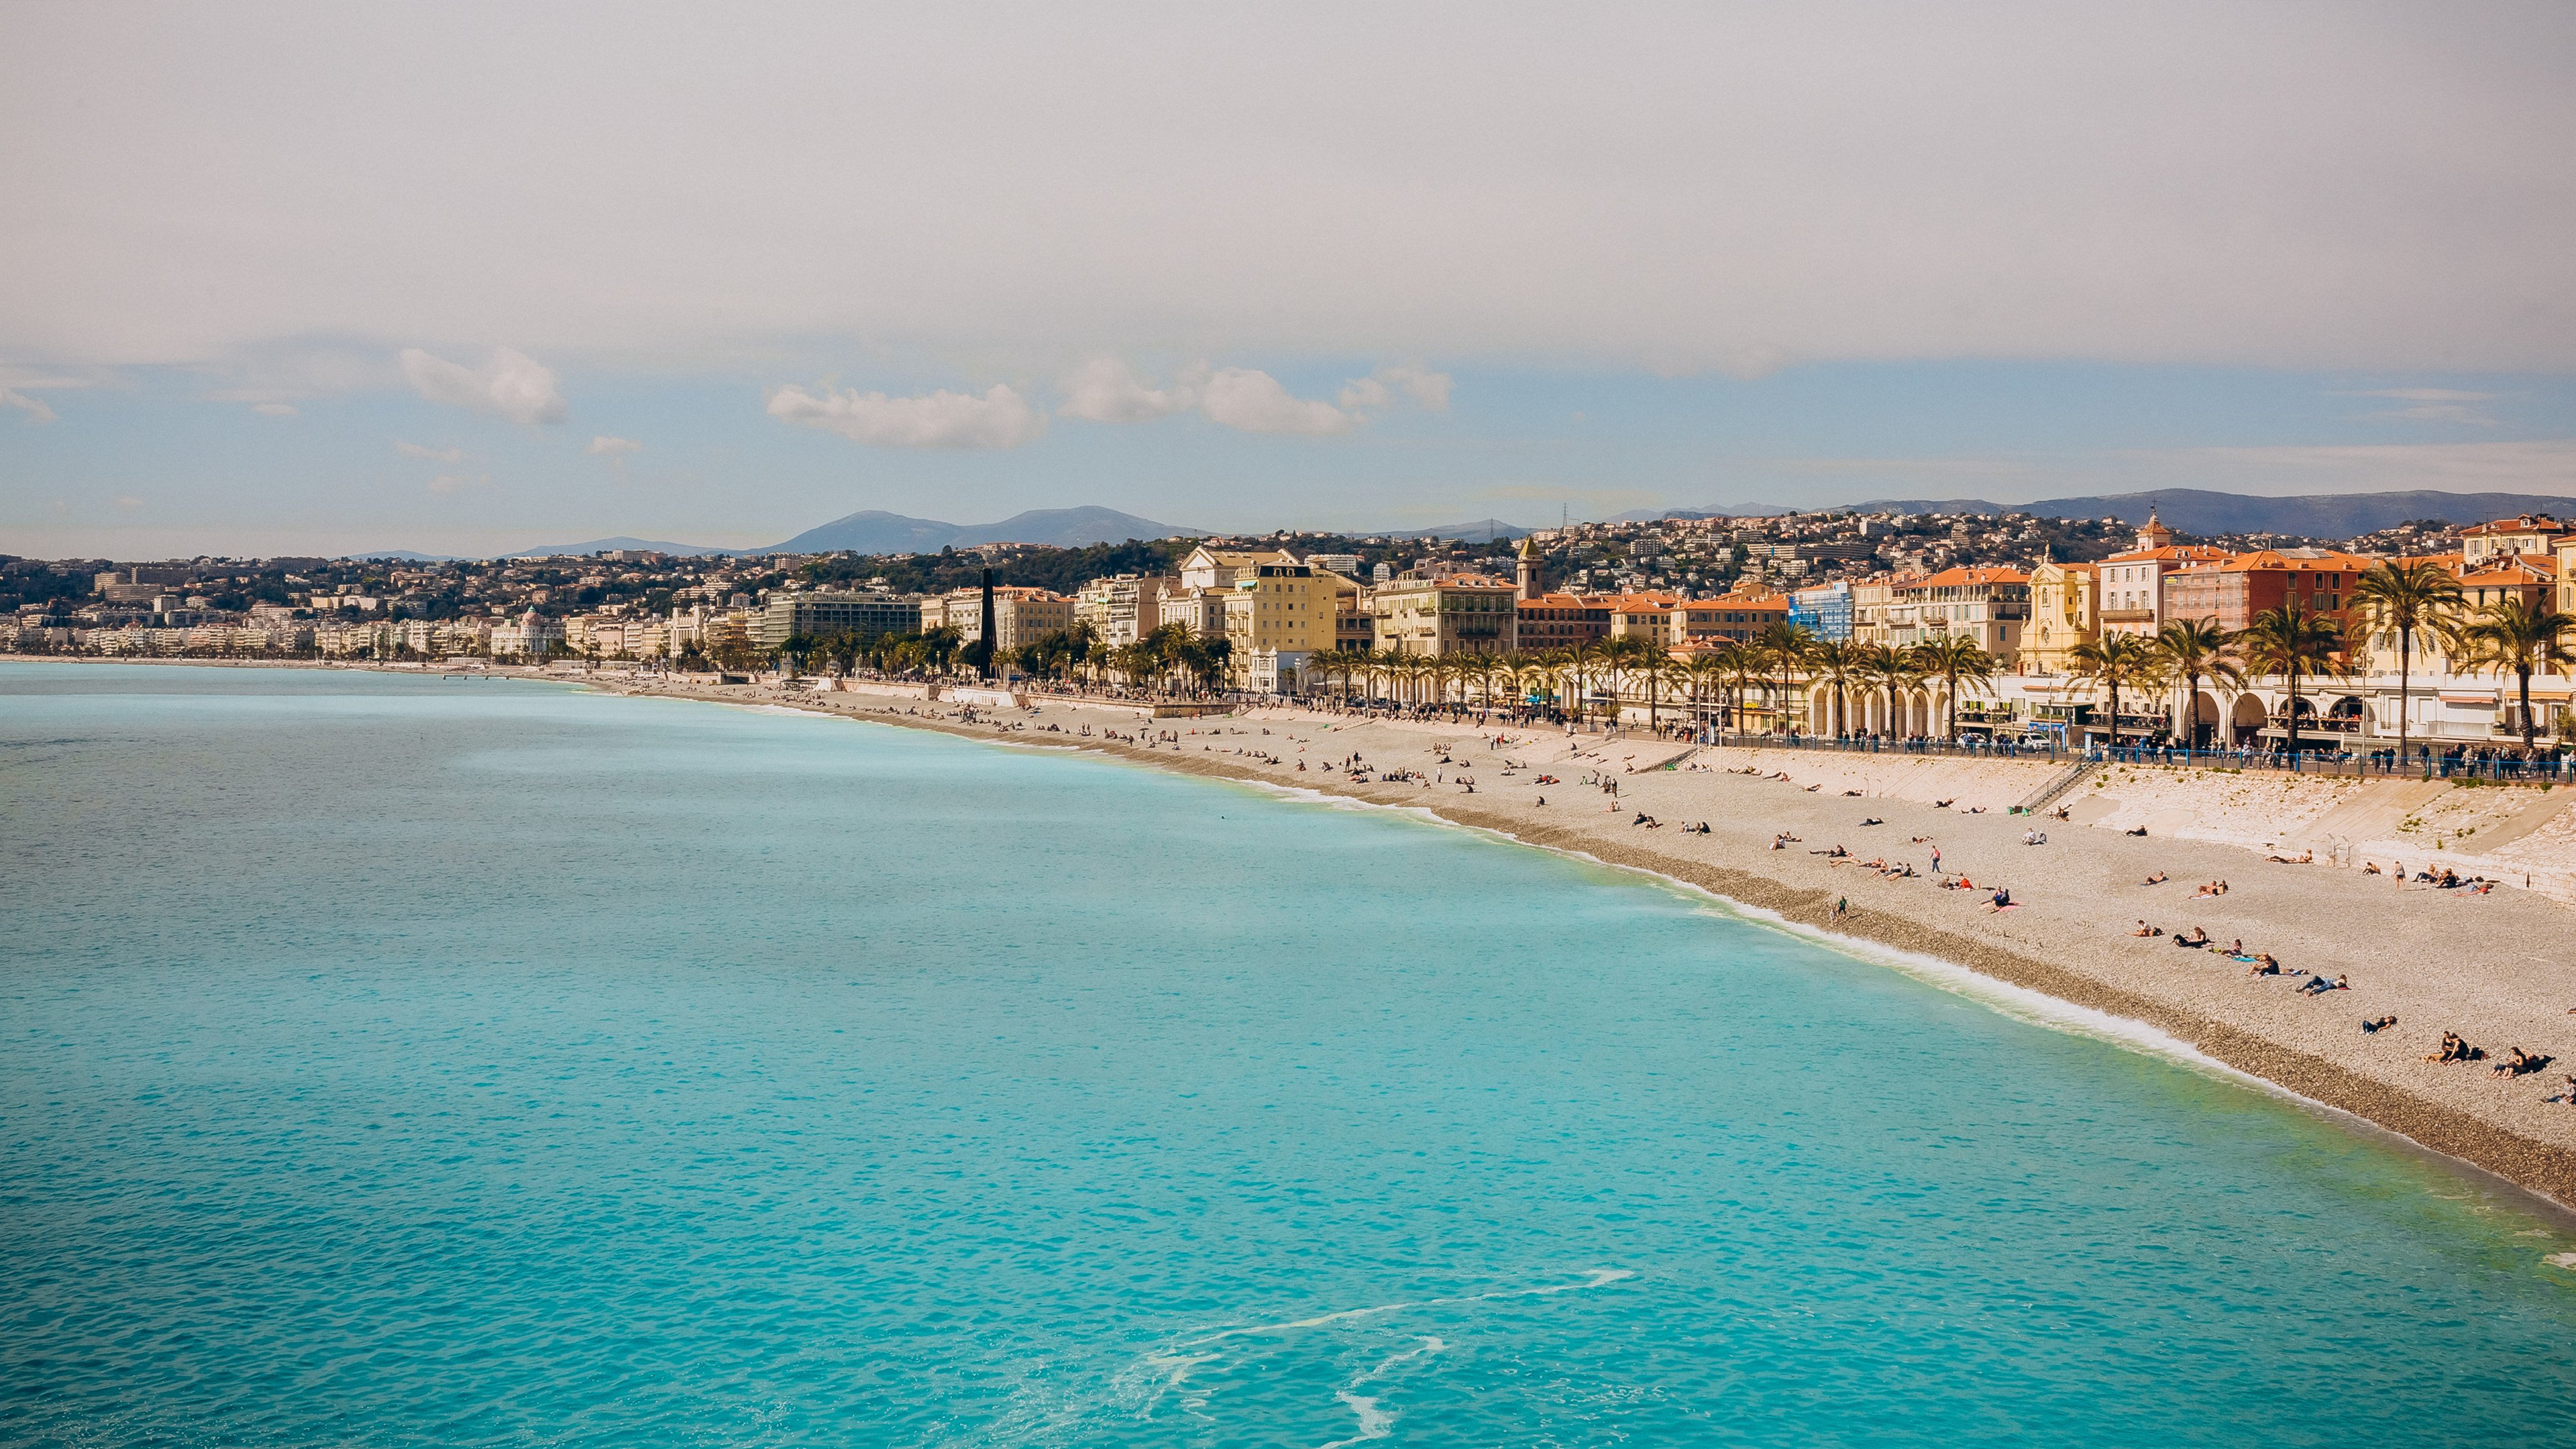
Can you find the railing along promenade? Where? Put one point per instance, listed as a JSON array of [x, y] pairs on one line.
[[2370, 764]]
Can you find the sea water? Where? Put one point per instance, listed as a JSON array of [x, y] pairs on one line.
[[394, 1060]]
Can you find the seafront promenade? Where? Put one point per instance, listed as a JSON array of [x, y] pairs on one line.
[[2482, 965]]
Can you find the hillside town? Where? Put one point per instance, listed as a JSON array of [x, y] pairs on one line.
[[2450, 643]]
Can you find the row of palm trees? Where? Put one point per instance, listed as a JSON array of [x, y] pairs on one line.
[[1725, 675], [2403, 602]]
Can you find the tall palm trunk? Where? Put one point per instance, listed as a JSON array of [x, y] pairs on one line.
[[2405, 646]]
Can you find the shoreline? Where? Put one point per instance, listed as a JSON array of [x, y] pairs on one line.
[[2459, 1138], [2456, 1116]]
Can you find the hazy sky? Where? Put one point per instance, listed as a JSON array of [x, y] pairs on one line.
[[320, 277]]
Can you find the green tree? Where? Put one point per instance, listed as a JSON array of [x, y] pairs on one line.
[[1837, 662], [2405, 599], [2522, 636], [2290, 641], [1954, 659], [1784, 650], [2115, 662], [2190, 650], [1889, 669]]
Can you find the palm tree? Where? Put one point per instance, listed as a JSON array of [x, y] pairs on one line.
[[2523, 635], [2115, 661], [2401, 598], [1952, 658], [1744, 666], [2286, 641], [1837, 662], [1784, 649], [1708, 671], [1657, 667], [1889, 668], [2190, 649]]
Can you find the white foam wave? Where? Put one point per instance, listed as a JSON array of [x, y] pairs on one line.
[[1167, 1370]]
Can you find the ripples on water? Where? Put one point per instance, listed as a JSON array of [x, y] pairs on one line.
[[399, 1062]]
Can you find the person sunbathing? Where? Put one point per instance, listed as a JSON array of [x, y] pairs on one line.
[[2374, 1028], [1873, 820], [2456, 1050], [2141, 830], [2159, 878], [2370, 867], [2521, 1064], [2197, 940], [2146, 930], [1943, 804], [2319, 986], [2264, 965]]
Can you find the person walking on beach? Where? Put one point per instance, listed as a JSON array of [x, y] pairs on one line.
[[1936, 860], [1842, 907]]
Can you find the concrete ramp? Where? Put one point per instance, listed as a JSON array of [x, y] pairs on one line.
[[2375, 811]]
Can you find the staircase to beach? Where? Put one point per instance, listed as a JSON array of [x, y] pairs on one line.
[[2056, 788]]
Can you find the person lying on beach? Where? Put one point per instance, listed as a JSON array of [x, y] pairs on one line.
[[1873, 820], [2034, 837], [2521, 1064], [1812, 789], [1837, 853], [2264, 965], [2141, 830], [1851, 794], [2374, 1028], [1944, 804], [2319, 986], [2159, 878], [2305, 857]]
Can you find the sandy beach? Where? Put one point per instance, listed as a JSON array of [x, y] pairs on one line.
[[2493, 968]]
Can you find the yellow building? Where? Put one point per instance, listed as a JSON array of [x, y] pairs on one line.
[[2065, 610], [1456, 615], [1276, 615]]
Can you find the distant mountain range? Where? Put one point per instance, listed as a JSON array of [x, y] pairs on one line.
[[873, 531], [608, 545], [2199, 511], [876, 531], [2188, 510]]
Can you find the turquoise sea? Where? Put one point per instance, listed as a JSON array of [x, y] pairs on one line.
[[394, 1061]]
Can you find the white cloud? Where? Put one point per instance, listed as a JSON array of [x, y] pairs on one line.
[[1256, 402], [1429, 389], [604, 445], [513, 385], [1106, 390], [2432, 405], [1364, 392], [1001, 418], [435, 455], [36, 408], [274, 409]]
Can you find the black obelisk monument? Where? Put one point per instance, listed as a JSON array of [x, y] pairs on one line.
[[988, 624]]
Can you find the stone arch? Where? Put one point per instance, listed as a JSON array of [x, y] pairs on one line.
[[2202, 725], [2245, 718]]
